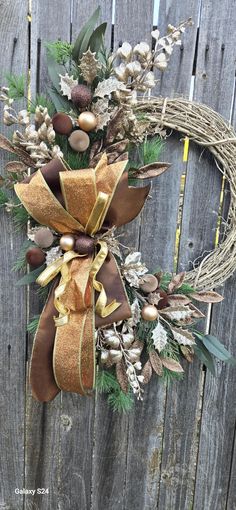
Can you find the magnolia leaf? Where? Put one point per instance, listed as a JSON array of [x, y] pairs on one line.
[[85, 35], [6, 145], [207, 296], [156, 363], [122, 377], [178, 299], [182, 336], [177, 313], [151, 170], [204, 355], [176, 282], [67, 83], [97, 37], [187, 352], [30, 277], [89, 66], [15, 167], [159, 337], [147, 372], [106, 87], [172, 365], [215, 347]]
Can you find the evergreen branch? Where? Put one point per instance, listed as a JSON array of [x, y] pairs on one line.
[[21, 263], [33, 324], [16, 86]]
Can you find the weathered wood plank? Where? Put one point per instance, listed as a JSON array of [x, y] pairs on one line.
[[197, 234], [216, 450], [13, 58], [43, 420], [157, 244]]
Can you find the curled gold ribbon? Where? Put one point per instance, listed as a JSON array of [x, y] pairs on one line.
[[59, 265]]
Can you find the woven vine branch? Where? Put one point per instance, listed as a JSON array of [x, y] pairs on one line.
[[210, 130]]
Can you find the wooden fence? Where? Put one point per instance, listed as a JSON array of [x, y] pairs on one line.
[[177, 450]]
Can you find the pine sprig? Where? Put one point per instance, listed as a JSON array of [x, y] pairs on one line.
[[33, 324], [3, 198], [119, 401], [16, 85], [42, 100], [21, 263], [20, 216], [59, 51]]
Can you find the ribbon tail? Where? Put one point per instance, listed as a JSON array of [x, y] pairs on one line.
[[74, 348], [110, 278], [42, 380]]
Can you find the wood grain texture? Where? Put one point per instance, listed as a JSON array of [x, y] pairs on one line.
[[88, 457], [43, 421], [217, 438], [13, 58]]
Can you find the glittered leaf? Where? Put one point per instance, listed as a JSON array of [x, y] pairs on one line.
[[182, 336], [176, 282], [67, 83], [15, 167], [159, 337], [147, 372], [151, 170], [156, 363], [89, 66], [207, 296], [172, 365], [177, 313], [122, 376], [100, 110], [178, 299], [106, 87]]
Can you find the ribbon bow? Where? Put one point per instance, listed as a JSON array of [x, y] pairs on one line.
[[78, 202]]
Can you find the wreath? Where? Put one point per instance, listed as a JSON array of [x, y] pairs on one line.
[[106, 321]]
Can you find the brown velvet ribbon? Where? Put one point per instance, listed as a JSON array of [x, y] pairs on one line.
[[64, 357]]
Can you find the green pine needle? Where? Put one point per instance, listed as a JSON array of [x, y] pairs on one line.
[[20, 216], [33, 324], [21, 263], [146, 153], [120, 402], [106, 381], [16, 86], [3, 198], [60, 51], [169, 376], [42, 100]]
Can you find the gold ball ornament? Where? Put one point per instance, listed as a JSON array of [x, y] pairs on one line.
[[79, 141], [149, 313], [87, 121], [67, 242]]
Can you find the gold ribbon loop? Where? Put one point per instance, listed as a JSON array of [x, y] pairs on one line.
[[101, 306], [97, 215], [59, 266]]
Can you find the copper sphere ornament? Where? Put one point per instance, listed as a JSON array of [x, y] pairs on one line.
[[67, 242], [148, 283], [84, 245], [79, 141], [43, 237], [149, 313], [81, 96], [35, 257], [87, 121], [62, 123]]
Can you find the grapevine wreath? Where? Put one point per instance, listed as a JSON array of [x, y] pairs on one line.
[[106, 321]]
